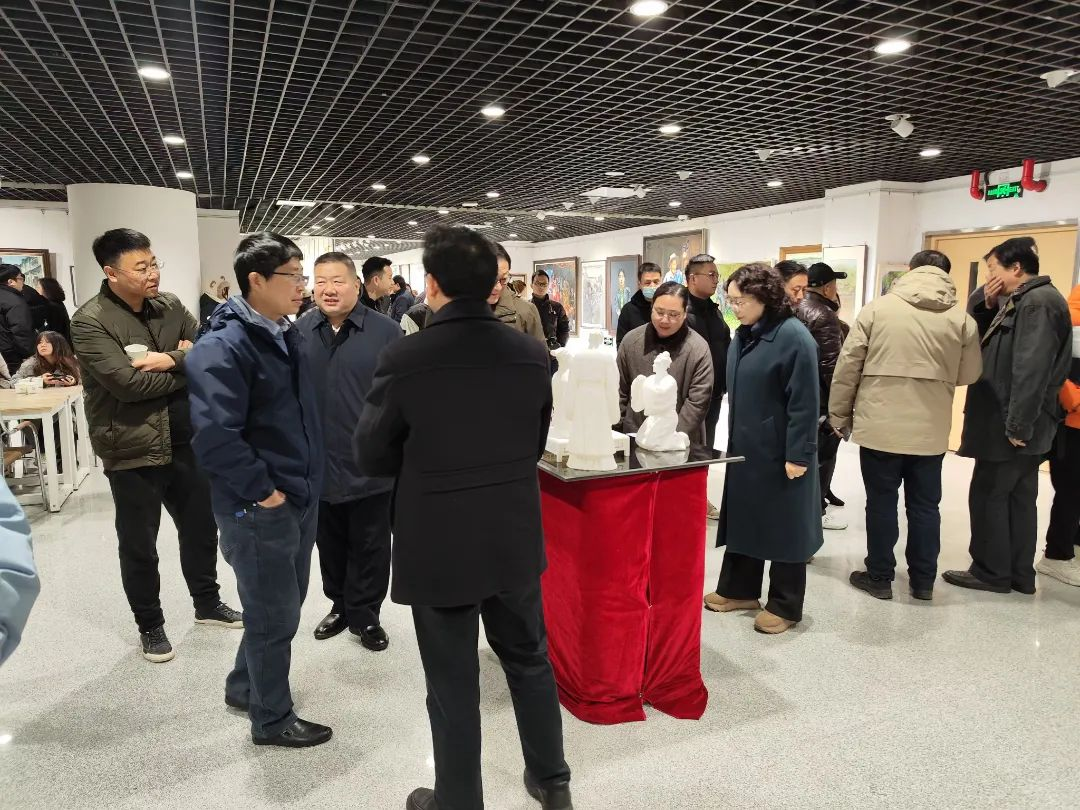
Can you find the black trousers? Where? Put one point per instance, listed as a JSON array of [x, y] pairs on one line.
[[1064, 531], [354, 557], [882, 474], [741, 578], [138, 496], [1004, 522], [514, 625], [712, 418]]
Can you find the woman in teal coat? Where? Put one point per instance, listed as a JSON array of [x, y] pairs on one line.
[[772, 507]]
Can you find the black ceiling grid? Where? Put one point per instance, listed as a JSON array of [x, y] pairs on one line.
[[319, 99]]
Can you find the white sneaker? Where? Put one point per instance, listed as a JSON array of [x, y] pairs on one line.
[[832, 522], [712, 513], [1067, 571]]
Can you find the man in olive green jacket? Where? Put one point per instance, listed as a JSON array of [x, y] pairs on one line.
[[892, 391], [137, 410]]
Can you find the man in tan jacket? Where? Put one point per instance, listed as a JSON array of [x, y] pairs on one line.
[[510, 309], [892, 392]]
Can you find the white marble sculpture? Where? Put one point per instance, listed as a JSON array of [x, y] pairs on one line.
[[559, 432], [591, 403], [657, 396]]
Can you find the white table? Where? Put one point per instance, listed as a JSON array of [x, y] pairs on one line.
[[44, 405]]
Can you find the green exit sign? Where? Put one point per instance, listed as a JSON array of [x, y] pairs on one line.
[[1004, 191]]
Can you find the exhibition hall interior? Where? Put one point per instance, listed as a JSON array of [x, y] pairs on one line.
[[539, 403]]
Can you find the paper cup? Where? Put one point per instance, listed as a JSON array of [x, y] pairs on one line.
[[136, 351]]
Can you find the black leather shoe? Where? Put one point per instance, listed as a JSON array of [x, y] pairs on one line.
[[878, 588], [966, 579], [421, 799], [925, 594], [373, 637], [301, 734], [834, 501], [1021, 587], [551, 797], [329, 627], [239, 705]]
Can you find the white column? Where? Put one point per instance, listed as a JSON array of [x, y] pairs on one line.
[[167, 216]]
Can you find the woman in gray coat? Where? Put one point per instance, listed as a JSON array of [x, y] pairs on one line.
[[772, 507]]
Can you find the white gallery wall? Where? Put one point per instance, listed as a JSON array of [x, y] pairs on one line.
[[219, 234], [39, 226]]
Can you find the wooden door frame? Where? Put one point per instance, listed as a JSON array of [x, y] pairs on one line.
[[929, 236]]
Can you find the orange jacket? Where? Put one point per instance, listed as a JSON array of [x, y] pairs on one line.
[[1070, 392]]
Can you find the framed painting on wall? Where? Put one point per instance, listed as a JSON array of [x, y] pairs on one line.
[[622, 283], [887, 275], [803, 254], [850, 259], [33, 263], [672, 251], [591, 298], [564, 285]]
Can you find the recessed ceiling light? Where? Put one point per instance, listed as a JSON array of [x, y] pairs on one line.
[[599, 219], [470, 204], [154, 74], [348, 206], [892, 46], [775, 183], [296, 203], [329, 219], [931, 151], [614, 174], [674, 203], [371, 236], [307, 233], [648, 8], [419, 233], [173, 140], [549, 227], [493, 111], [443, 211], [378, 187], [670, 129], [511, 236], [420, 159], [493, 195], [413, 222], [184, 175]]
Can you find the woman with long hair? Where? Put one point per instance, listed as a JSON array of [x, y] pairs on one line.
[[54, 361], [772, 508], [57, 318]]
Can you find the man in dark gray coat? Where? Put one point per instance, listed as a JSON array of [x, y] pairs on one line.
[[1012, 414]]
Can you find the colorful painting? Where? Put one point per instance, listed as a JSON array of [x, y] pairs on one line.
[[725, 272], [622, 283], [887, 275], [33, 263], [803, 254], [672, 251], [592, 298], [564, 285], [850, 259]]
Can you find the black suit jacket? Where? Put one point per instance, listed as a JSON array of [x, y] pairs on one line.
[[459, 413]]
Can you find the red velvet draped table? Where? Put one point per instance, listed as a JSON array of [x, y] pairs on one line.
[[622, 591]]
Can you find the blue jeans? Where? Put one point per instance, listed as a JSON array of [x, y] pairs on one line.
[[921, 476], [270, 554]]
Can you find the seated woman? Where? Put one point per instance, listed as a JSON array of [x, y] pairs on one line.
[[691, 362], [54, 361], [772, 508]]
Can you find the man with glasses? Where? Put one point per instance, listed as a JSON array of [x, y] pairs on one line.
[[140, 427], [510, 309], [706, 319], [259, 437], [17, 338]]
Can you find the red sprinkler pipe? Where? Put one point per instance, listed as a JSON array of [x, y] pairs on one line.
[[976, 185], [1027, 178]]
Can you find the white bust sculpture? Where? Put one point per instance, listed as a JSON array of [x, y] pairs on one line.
[[591, 404], [657, 396]]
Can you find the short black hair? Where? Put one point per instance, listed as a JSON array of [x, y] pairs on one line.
[[673, 288], [9, 272], [648, 267], [930, 258], [111, 245], [1020, 250], [765, 284], [500, 253], [401, 282], [539, 273], [789, 268], [692, 264], [339, 258], [374, 266], [262, 253], [464, 262]]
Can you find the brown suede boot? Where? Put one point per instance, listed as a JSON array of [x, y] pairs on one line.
[[721, 604], [771, 623]]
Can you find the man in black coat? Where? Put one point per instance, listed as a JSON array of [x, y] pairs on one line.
[[552, 313], [638, 311], [342, 342], [1012, 414], [401, 300], [18, 340], [459, 413]]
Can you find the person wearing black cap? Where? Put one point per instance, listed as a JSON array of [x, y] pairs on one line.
[[818, 311]]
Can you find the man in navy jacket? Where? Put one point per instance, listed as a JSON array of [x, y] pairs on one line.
[[342, 342], [258, 437]]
